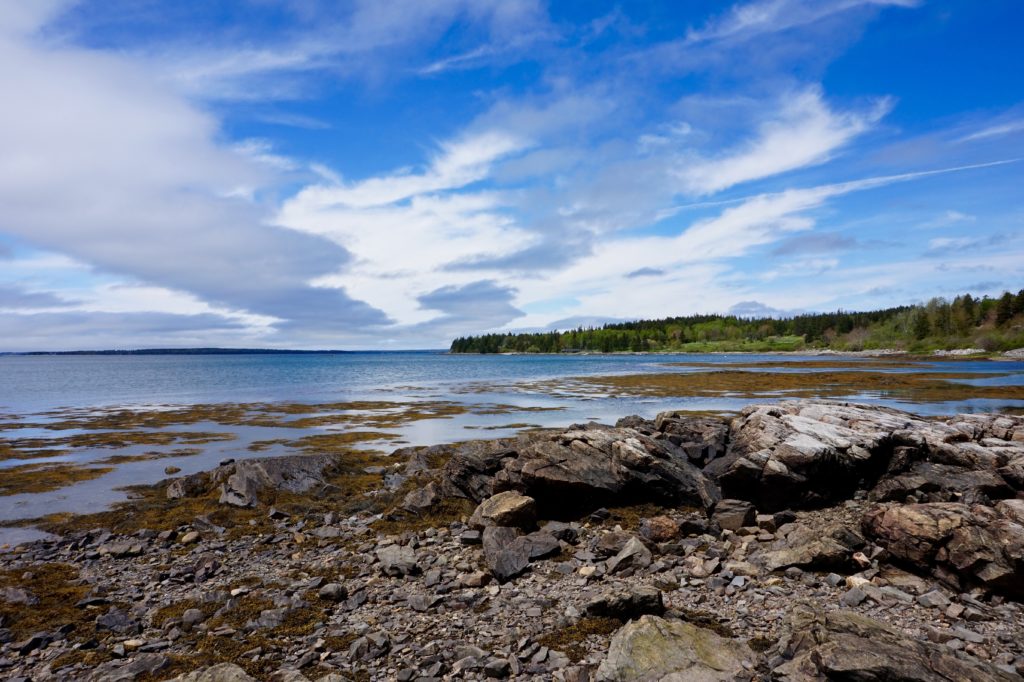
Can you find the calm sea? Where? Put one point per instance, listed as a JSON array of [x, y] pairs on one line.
[[31, 386]]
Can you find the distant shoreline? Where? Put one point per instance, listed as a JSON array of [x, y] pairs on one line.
[[215, 351]]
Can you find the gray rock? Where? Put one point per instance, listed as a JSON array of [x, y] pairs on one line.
[[507, 508], [658, 650], [633, 555], [507, 553], [627, 603], [243, 481], [397, 561], [734, 514], [333, 592], [843, 645]]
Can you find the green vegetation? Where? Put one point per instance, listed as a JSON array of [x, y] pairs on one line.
[[992, 324]]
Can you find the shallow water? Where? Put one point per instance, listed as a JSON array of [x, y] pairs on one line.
[[40, 392]]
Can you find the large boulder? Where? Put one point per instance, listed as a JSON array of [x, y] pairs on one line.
[[813, 453], [508, 508], [843, 645], [580, 469], [961, 544], [243, 481], [658, 650]]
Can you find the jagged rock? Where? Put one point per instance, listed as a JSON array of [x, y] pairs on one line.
[[542, 545], [843, 645], [811, 453], [979, 545], [222, 672], [734, 514], [931, 482], [627, 604], [658, 650], [700, 439], [397, 560], [243, 481], [580, 469], [633, 555], [188, 486], [508, 508], [423, 498], [814, 548], [506, 552]]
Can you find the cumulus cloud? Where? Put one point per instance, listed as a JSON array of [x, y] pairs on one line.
[[104, 165]]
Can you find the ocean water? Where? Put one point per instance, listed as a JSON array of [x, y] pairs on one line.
[[35, 390]]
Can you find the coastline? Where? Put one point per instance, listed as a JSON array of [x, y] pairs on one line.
[[478, 560]]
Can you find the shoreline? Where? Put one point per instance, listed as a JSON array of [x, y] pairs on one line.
[[504, 559]]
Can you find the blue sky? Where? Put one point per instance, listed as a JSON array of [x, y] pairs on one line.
[[393, 173]]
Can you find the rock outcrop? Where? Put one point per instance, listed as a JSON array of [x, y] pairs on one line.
[[964, 545], [802, 454], [581, 469], [843, 645]]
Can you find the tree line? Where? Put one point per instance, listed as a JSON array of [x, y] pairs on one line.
[[991, 324]]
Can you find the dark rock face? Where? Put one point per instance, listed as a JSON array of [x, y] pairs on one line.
[[843, 645], [700, 439], [581, 469], [968, 545], [734, 514], [928, 482]]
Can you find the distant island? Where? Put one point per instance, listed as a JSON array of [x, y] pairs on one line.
[[987, 324], [187, 351]]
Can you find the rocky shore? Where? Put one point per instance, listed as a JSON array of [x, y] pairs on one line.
[[797, 541]]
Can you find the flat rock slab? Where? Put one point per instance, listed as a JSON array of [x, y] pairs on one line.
[[843, 645], [659, 650]]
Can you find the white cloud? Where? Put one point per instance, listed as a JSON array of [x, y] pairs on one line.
[[805, 132], [748, 20], [998, 130]]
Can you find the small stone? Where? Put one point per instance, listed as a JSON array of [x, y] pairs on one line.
[[190, 538], [853, 597], [333, 592], [933, 599], [497, 667]]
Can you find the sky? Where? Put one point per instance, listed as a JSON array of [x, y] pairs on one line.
[[388, 174]]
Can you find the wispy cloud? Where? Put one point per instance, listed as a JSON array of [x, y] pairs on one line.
[[747, 20]]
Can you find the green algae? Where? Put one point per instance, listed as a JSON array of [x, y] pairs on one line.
[[42, 478]]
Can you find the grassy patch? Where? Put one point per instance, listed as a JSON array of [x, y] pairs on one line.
[[572, 640], [440, 515], [58, 589], [706, 620]]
